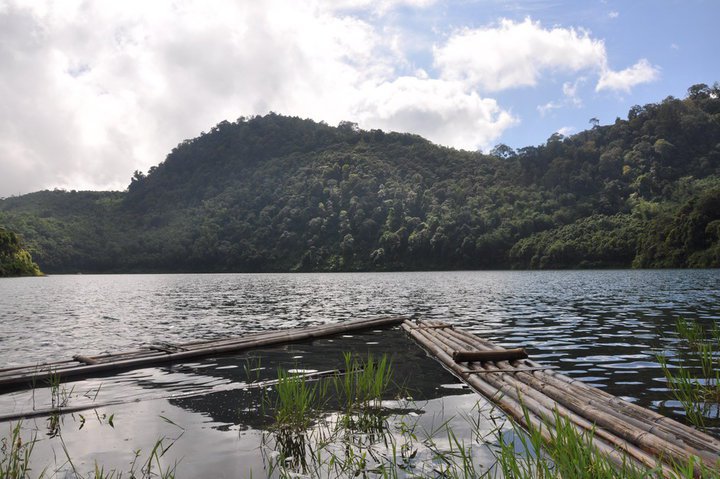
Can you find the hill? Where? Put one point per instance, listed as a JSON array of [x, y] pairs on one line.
[[276, 193]]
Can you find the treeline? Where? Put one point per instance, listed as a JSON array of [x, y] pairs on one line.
[[14, 259], [275, 193]]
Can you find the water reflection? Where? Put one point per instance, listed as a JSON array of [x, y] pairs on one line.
[[415, 374], [214, 417], [604, 327]]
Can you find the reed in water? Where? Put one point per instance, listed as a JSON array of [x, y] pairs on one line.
[[693, 375]]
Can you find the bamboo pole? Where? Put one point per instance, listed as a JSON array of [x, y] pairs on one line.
[[271, 339], [84, 359], [673, 431], [630, 429], [653, 440], [188, 394], [193, 346], [694, 441], [684, 432], [498, 370], [521, 408], [658, 421], [34, 366], [531, 398], [591, 399], [505, 403]]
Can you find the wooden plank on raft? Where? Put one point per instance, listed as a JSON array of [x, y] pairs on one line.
[[84, 359], [25, 377], [533, 395], [480, 356], [435, 326], [506, 370]]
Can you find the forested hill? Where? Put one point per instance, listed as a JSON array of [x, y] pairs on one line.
[[276, 193]]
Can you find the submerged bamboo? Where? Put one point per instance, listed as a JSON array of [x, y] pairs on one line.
[[29, 375]]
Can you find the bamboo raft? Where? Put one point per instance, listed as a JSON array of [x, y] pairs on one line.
[[23, 377], [536, 396]]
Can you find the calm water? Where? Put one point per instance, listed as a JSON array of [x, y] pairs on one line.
[[602, 326]]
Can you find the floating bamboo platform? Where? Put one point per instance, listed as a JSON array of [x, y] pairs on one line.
[[535, 396], [29, 376]]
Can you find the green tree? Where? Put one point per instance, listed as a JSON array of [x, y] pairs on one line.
[[14, 259]]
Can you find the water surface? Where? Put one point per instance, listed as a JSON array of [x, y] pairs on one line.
[[605, 327]]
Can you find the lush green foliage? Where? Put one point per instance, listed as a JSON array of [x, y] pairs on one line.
[[14, 259], [693, 375], [275, 193], [297, 401]]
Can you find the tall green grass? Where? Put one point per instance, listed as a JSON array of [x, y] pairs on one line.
[[298, 400], [694, 375], [364, 382], [16, 460], [304, 438], [358, 389], [570, 453], [15, 454]]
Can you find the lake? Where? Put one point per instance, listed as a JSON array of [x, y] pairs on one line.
[[604, 327]]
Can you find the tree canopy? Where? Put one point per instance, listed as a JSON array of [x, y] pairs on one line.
[[14, 259], [277, 193]]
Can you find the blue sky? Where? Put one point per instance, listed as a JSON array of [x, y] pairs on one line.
[[93, 91], [677, 37]]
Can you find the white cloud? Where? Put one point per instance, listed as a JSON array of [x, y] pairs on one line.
[[439, 110], [516, 54], [570, 90], [566, 130], [94, 90], [570, 98], [376, 6], [624, 80], [513, 54], [613, 14], [548, 107]]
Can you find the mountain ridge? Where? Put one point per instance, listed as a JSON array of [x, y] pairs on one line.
[[277, 193]]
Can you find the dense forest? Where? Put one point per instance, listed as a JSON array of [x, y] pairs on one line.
[[14, 259], [276, 193]]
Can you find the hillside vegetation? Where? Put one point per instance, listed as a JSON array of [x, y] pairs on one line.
[[275, 193], [14, 259]]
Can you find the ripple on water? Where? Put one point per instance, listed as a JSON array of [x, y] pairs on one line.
[[632, 365], [614, 321]]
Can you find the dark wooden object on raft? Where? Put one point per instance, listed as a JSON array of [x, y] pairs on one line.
[[480, 356]]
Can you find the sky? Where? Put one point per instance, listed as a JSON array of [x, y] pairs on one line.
[[91, 91]]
